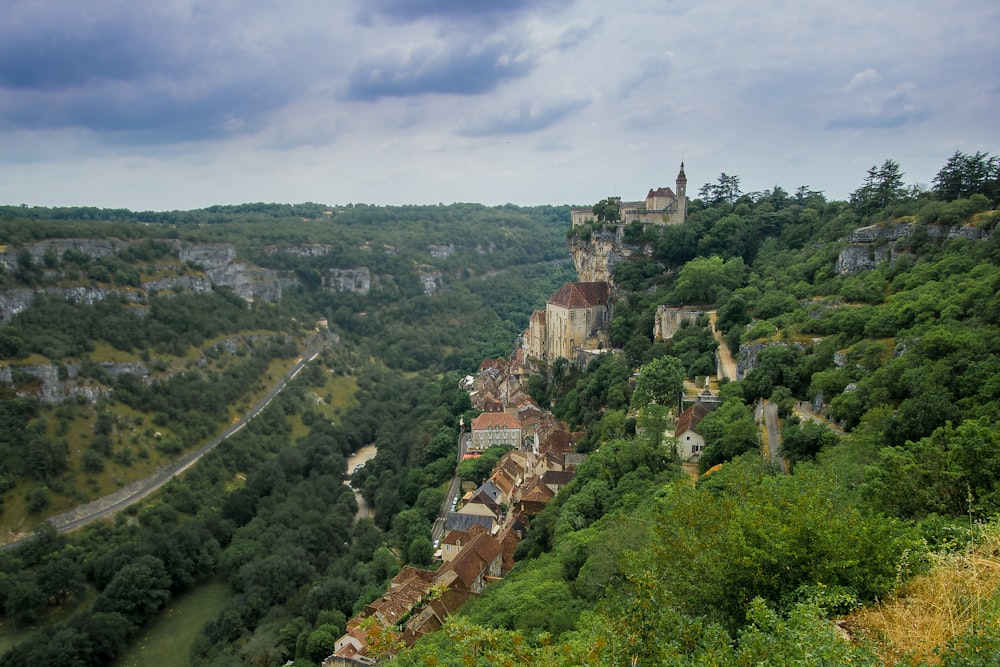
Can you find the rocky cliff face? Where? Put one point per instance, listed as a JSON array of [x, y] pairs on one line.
[[217, 263], [93, 248], [596, 257], [348, 280], [52, 385], [867, 247]]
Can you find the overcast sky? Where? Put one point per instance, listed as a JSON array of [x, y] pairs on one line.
[[179, 104]]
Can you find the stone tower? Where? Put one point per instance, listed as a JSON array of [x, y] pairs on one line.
[[681, 191]]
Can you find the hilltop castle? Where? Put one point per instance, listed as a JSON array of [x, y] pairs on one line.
[[661, 207]]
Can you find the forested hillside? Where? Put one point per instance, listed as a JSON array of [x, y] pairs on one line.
[[130, 339], [879, 313], [884, 517]]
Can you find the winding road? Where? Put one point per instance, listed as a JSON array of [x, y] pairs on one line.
[[133, 493]]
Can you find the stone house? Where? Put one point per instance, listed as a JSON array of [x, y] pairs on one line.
[[690, 443], [495, 428], [477, 562]]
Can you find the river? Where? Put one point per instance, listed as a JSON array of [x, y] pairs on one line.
[[363, 455]]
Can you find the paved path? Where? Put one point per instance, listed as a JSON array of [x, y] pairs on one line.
[[437, 531], [726, 360], [772, 430], [804, 411]]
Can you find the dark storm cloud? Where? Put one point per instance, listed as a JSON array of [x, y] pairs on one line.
[[53, 60], [465, 69], [136, 73]]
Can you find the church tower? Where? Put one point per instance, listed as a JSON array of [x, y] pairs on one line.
[[682, 200]]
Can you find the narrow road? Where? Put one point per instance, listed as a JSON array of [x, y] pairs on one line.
[[726, 361], [772, 431], [133, 493], [437, 531]]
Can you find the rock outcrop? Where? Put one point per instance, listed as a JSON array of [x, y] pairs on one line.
[[348, 280], [669, 320], [596, 256], [52, 384], [867, 247], [215, 266]]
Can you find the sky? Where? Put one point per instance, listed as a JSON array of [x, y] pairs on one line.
[[181, 104]]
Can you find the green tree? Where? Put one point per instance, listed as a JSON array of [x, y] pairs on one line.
[[137, 591], [60, 579], [883, 186], [420, 551], [608, 210], [321, 643], [661, 381], [725, 190], [704, 280], [964, 175]]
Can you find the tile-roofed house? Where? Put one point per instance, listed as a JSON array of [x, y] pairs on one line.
[[495, 428], [509, 538], [465, 521], [478, 561], [453, 540], [482, 504], [559, 441], [690, 443], [432, 616], [535, 495], [406, 591], [503, 481], [533, 343], [530, 416], [581, 295], [556, 479], [576, 317]]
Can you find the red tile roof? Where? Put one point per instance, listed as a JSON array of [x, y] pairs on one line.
[[690, 418], [660, 192], [495, 420], [581, 295]]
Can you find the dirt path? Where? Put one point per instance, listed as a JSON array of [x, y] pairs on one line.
[[725, 356]]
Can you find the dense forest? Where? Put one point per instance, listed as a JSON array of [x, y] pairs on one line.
[[633, 563]]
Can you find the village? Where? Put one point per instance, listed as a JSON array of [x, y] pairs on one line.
[[481, 525]]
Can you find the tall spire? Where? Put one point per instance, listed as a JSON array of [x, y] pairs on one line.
[[682, 181]]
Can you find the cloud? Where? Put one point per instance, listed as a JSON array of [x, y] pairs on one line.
[[145, 74], [412, 10], [522, 119], [892, 110], [863, 78], [439, 67]]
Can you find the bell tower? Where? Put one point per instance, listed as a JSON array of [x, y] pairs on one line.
[[681, 194]]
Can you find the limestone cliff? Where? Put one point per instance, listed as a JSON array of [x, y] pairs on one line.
[[596, 253], [867, 247], [207, 266]]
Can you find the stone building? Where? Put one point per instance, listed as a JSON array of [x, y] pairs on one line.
[[575, 318], [662, 206], [495, 428]]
